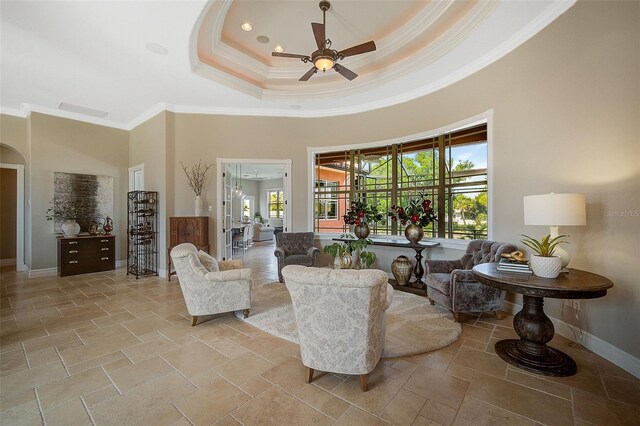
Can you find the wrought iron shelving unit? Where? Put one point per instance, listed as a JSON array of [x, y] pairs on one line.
[[142, 233]]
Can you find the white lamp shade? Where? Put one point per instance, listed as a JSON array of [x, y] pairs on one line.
[[555, 210]]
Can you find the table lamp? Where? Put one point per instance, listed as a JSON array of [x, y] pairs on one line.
[[555, 210]]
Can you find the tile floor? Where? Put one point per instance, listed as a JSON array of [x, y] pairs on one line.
[[109, 349]]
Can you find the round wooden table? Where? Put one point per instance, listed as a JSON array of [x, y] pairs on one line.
[[534, 327]]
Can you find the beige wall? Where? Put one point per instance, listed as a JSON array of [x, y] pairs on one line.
[[13, 132], [566, 109], [151, 144], [62, 145], [8, 200]]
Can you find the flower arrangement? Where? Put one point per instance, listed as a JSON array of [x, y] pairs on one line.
[[360, 213], [196, 175], [417, 212], [66, 211]]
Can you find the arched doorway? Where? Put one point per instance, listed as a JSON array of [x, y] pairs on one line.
[[12, 209]]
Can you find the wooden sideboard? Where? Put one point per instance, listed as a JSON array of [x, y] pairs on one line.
[[187, 229], [85, 254]]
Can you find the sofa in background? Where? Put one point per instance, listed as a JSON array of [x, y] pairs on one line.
[[262, 232]]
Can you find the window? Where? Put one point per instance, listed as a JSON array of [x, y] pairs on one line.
[[276, 203], [450, 167], [327, 202], [247, 206]]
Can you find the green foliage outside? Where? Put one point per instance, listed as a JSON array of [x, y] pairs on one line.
[[469, 216]]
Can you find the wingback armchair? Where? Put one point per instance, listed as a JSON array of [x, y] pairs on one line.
[[341, 318], [295, 248], [452, 284], [211, 287]]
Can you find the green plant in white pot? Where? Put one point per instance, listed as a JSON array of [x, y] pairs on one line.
[[544, 264]]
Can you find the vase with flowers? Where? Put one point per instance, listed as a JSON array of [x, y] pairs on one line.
[[196, 176], [68, 213], [415, 216], [360, 214]]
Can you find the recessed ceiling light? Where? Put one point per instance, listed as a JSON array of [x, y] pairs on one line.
[[263, 39], [156, 48], [278, 49], [246, 26]]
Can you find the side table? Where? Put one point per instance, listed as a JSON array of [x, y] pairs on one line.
[[534, 327]]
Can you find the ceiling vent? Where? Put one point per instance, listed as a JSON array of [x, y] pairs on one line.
[[82, 110]]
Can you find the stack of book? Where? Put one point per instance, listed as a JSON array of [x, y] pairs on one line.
[[513, 266]]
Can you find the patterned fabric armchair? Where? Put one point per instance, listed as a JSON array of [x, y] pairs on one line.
[[226, 289], [295, 248], [341, 318], [452, 284]]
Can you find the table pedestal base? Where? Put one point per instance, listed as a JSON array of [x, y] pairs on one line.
[[551, 362], [531, 352]]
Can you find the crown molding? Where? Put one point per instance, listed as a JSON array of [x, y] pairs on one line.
[[20, 113], [148, 114], [524, 34]]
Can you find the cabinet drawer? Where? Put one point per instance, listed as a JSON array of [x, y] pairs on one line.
[[85, 254]]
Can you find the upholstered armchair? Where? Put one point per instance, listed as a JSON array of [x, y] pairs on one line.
[[340, 316], [211, 287], [452, 284], [295, 248]]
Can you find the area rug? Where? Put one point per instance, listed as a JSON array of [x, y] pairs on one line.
[[413, 325]]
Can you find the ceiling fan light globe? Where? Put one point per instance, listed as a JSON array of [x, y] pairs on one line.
[[323, 63]]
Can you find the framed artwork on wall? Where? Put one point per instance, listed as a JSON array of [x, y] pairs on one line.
[[94, 192]]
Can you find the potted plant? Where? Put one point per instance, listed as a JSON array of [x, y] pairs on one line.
[[360, 214], [337, 251], [417, 214], [196, 176], [544, 264], [257, 216], [341, 252], [68, 213]]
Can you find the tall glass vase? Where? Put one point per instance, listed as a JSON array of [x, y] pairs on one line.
[[199, 206]]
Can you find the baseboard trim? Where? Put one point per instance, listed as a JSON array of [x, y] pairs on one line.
[[595, 344], [120, 263], [162, 273], [45, 272], [7, 262]]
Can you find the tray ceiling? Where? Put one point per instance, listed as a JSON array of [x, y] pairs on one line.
[[129, 60]]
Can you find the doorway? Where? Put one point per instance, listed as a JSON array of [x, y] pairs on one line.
[[242, 198], [12, 217], [136, 178]]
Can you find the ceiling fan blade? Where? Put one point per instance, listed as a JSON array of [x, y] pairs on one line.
[[289, 55], [346, 72], [318, 33], [369, 46], [309, 73]]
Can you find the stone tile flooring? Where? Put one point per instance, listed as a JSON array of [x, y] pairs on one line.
[[109, 349]]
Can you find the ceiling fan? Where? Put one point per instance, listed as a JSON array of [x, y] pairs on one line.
[[325, 57]]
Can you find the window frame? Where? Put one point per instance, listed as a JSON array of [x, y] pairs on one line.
[[482, 118], [279, 195], [333, 200]]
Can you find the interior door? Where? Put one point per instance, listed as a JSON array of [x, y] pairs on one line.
[[285, 209], [227, 211]]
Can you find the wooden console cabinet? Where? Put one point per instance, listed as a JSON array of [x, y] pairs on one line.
[[85, 254], [187, 229]]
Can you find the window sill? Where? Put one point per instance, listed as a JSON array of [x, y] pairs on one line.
[[444, 242]]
